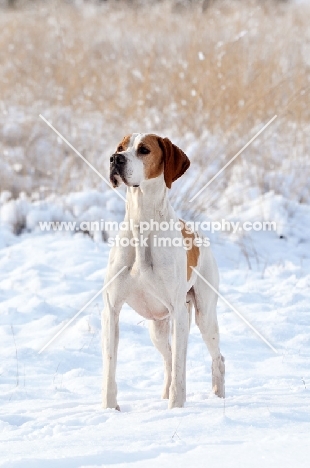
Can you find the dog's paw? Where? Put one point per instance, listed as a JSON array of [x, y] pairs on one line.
[[218, 376]]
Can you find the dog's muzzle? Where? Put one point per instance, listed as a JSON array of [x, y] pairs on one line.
[[117, 167]]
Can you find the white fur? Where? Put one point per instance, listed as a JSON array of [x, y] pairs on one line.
[[134, 172], [155, 285]]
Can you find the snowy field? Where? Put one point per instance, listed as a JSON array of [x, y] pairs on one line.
[[51, 414], [208, 76]]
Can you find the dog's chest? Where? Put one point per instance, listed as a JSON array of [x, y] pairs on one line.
[[146, 304], [147, 293]]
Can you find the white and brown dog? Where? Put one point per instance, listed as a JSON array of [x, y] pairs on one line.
[[158, 281]]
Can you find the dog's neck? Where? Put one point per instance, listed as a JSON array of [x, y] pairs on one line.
[[149, 201]]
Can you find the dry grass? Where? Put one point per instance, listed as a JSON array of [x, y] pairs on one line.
[[209, 80]]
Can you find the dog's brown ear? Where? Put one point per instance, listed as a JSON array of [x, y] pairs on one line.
[[175, 161]]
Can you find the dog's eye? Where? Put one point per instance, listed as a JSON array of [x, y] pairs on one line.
[[143, 150], [119, 148]]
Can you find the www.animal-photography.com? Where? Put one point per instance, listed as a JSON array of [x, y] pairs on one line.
[[154, 233]]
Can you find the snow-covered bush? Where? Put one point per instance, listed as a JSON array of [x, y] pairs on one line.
[[208, 78]]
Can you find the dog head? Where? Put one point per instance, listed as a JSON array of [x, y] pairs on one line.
[[140, 157]]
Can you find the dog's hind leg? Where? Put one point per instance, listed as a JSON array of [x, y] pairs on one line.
[[160, 334], [205, 301], [189, 305]]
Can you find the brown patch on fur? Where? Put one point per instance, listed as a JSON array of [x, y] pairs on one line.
[[153, 162], [193, 252], [123, 145], [175, 161]]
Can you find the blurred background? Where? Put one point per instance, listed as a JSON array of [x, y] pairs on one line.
[[208, 74]]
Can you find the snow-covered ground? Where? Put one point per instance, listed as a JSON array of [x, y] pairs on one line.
[[208, 77], [51, 415]]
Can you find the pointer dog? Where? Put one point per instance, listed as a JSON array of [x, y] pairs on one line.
[[158, 281]]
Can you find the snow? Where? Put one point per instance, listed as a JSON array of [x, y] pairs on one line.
[[51, 414], [25, 214]]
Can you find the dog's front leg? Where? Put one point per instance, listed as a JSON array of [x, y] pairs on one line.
[[159, 332], [180, 330], [110, 338]]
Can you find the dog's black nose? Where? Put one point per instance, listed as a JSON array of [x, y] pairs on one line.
[[117, 159]]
